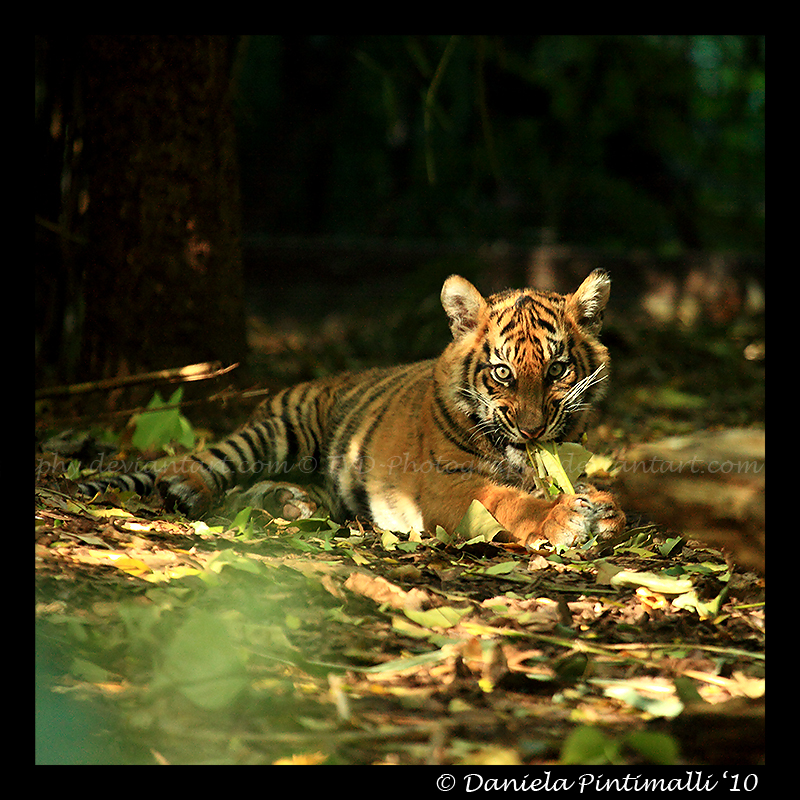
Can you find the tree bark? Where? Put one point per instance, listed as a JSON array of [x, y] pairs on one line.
[[162, 271]]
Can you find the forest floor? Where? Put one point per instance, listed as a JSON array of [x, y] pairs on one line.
[[258, 641]]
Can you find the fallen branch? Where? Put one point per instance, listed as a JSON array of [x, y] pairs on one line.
[[192, 372]]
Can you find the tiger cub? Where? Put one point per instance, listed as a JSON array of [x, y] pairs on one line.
[[410, 447]]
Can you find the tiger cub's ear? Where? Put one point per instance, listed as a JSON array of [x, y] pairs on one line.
[[463, 304], [589, 300]]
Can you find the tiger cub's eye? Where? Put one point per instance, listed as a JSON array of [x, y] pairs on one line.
[[556, 370], [502, 373]]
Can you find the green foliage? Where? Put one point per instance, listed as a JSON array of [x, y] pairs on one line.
[[202, 663], [162, 424], [243, 523], [558, 466], [589, 745]]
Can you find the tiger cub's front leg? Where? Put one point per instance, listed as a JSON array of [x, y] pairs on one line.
[[569, 520]]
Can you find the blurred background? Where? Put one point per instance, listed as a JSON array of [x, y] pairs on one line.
[[293, 203]]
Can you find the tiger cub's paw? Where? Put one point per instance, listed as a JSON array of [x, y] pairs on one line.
[[285, 500], [577, 517]]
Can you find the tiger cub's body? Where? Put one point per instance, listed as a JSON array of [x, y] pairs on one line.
[[410, 447]]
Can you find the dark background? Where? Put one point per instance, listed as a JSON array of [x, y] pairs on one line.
[[186, 184]]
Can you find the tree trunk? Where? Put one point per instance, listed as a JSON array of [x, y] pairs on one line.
[[162, 271]]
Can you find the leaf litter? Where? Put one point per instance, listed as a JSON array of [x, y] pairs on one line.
[[310, 642]]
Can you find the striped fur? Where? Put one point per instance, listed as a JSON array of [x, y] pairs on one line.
[[410, 447]]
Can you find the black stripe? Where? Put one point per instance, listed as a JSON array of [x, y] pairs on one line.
[[508, 327], [256, 443], [261, 443], [451, 431], [543, 323], [219, 480], [524, 300], [143, 482], [469, 367], [244, 460], [357, 502], [287, 404], [291, 441]]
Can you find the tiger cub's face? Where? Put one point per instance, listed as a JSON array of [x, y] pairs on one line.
[[526, 365]]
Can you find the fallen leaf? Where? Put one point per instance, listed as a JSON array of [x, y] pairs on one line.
[[477, 524], [664, 584], [384, 592], [442, 617]]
